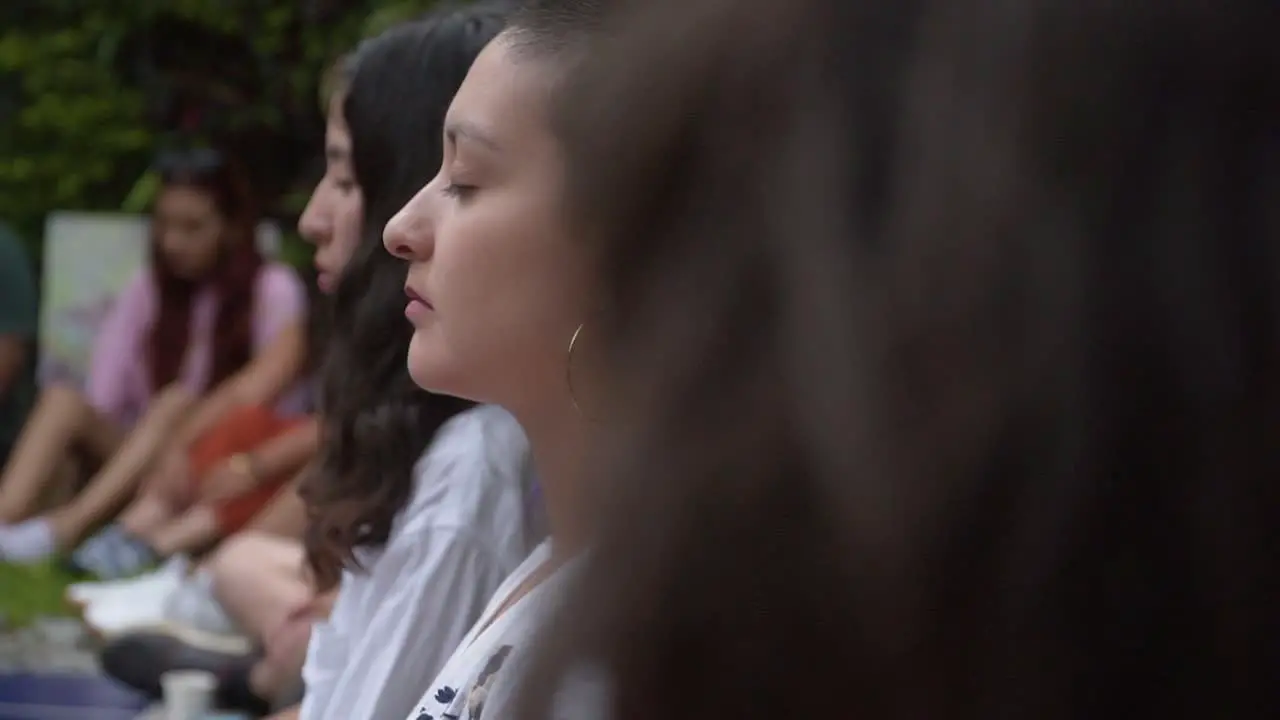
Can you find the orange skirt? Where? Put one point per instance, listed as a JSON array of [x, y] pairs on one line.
[[241, 431]]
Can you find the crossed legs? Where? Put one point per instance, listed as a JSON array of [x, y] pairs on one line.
[[63, 418], [62, 421], [113, 486]]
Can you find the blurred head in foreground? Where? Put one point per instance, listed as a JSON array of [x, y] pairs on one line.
[[943, 345]]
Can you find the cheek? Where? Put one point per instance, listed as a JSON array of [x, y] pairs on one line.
[[503, 288], [347, 226], [194, 250], [210, 241]]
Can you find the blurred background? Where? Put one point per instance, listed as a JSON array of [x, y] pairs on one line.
[[91, 92]]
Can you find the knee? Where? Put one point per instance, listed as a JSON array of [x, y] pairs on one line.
[[240, 551], [148, 534]]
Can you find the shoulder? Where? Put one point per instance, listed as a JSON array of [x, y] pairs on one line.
[[18, 300], [15, 263], [484, 433], [13, 256], [140, 291], [475, 475], [276, 278], [484, 442]]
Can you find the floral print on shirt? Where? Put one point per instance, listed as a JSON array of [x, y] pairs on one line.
[[480, 691], [474, 699]]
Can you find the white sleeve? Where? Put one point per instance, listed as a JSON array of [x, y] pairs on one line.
[[424, 594], [329, 646]]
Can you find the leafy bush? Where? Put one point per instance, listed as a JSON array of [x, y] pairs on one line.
[[90, 88]]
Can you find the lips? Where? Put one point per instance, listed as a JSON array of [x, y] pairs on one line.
[[326, 278], [415, 297]]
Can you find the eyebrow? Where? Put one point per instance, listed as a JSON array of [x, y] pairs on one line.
[[459, 129]]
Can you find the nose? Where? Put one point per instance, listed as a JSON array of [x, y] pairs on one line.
[[409, 235], [315, 224], [172, 242], [176, 250]]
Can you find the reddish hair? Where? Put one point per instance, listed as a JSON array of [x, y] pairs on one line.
[[233, 277]]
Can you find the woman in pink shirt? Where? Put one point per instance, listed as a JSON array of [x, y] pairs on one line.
[[206, 305]]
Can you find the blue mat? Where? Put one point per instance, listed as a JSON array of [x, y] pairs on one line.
[[55, 697]]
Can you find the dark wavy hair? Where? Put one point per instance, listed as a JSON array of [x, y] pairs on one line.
[[233, 277], [376, 421], [948, 336]]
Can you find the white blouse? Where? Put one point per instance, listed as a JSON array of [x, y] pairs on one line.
[[473, 517]]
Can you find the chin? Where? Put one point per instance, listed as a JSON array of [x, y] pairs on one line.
[[430, 370]]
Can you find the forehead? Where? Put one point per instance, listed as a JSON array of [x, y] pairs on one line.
[[504, 95]]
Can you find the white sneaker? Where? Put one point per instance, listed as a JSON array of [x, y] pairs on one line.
[[193, 615], [193, 605], [173, 603], [164, 580], [127, 609]]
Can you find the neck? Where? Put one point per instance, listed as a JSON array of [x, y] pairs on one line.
[[558, 438]]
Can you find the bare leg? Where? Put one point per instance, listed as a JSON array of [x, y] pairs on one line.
[[192, 531], [146, 515], [280, 670], [285, 516], [271, 678], [62, 419], [259, 579], [114, 484], [62, 487]]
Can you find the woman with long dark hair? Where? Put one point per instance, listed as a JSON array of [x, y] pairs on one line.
[[930, 349], [420, 503], [206, 305], [418, 559], [500, 301]]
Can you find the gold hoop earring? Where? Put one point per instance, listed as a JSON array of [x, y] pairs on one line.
[[568, 368]]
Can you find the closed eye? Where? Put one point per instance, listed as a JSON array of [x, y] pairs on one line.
[[456, 190]]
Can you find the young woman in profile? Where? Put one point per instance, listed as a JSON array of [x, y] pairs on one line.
[[500, 297], [416, 559], [203, 309], [943, 340], [412, 543]]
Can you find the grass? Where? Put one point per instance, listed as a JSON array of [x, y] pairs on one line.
[[31, 591]]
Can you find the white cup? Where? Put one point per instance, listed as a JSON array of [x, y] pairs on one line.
[[188, 694]]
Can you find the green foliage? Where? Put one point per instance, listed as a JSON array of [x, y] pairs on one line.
[[31, 592], [75, 131], [73, 124]]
